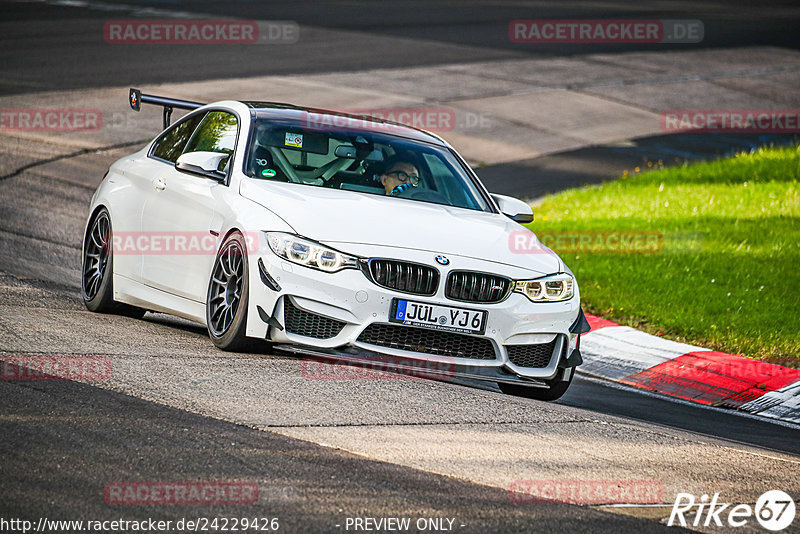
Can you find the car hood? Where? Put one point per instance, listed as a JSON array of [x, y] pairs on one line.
[[333, 216]]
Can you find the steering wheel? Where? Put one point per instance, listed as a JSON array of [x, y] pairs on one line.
[[316, 176], [421, 193]]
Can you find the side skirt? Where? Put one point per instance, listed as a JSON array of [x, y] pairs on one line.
[[143, 296]]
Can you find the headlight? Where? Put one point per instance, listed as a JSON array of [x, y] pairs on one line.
[[306, 252], [552, 288]]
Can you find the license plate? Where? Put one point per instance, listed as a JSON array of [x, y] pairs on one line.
[[448, 318]]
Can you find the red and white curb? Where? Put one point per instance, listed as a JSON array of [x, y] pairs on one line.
[[626, 355]]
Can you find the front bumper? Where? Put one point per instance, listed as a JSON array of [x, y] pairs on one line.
[[350, 298]]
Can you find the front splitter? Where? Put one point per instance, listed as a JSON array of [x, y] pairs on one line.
[[413, 367]]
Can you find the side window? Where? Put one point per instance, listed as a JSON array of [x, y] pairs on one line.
[[171, 145], [217, 133]]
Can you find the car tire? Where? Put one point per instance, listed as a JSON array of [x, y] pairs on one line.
[[97, 280], [554, 392], [227, 296]]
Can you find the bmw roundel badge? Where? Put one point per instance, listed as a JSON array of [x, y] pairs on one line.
[[442, 260]]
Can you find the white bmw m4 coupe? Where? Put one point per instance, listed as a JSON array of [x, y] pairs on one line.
[[332, 236]]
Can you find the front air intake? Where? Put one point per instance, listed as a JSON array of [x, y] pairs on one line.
[[534, 356], [305, 323], [428, 341]]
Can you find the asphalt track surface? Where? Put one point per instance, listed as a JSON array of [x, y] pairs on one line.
[[177, 409], [366, 36], [66, 440]]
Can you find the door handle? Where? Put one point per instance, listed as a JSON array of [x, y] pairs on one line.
[[159, 184]]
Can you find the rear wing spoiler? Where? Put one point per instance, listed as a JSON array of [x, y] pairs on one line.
[[136, 99]]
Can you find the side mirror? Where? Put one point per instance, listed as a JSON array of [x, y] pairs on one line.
[[514, 208], [202, 164]]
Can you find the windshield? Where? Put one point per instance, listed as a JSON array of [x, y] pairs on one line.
[[361, 161]]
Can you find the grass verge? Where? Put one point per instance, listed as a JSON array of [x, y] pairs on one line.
[[707, 253]]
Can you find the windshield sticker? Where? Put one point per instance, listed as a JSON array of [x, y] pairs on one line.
[[294, 139], [269, 173]]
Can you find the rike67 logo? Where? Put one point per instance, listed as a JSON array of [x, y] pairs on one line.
[[774, 510]]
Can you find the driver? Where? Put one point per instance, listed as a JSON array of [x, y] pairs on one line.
[[399, 176]]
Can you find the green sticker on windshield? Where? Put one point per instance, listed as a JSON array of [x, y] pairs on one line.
[[269, 173]]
